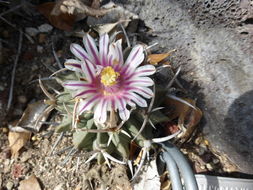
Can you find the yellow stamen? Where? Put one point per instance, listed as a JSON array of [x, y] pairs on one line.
[[109, 76]]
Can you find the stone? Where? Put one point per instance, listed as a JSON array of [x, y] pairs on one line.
[[45, 28], [31, 31], [214, 46], [9, 185]]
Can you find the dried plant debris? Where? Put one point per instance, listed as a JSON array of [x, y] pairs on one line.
[[64, 13], [157, 58], [17, 140], [188, 115], [33, 117]]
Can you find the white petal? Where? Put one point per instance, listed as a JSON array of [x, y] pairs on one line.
[[73, 65], [144, 91], [145, 70], [124, 113], [103, 49], [138, 100], [89, 70], [100, 112], [87, 104], [79, 52], [115, 50], [140, 81], [73, 85], [135, 57], [91, 48]]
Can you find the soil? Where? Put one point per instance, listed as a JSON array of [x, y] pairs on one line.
[[37, 60]]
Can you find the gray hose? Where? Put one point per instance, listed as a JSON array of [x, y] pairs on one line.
[[184, 167], [173, 171]]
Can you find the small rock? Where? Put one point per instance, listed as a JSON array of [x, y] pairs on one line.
[[39, 49], [216, 161], [22, 99], [46, 28], [31, 31], [209, 167], [9, 185], [25, 156]]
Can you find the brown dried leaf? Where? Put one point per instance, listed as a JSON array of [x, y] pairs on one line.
[[30, 183], [63, 21], [156, 58], [17, 140], [187, 116], [33, 116]]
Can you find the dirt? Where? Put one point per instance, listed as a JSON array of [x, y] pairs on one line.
[[37, 60]]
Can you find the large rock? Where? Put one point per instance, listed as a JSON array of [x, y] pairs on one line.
[[214, 42]]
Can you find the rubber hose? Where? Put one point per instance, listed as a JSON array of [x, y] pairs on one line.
[[173, 171], [184, 167]]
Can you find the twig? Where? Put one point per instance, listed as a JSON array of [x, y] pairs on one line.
[[174, 78], [56, 143], [127, 39], [12, 9], [12, 25], [14, 71], [55, 56]]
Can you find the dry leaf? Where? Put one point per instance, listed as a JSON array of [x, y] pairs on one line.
[[187, 116], [29, 184], [63, 21], [156, 58], [32, 118], [165, 182], [17, 140], [138, 159]]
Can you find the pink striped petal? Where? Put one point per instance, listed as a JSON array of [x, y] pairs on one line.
[[91, 49], [140, 81], [103, 49], [135, 57], [86, 93], [73, 85], [73, 65], [124, 113], [100, 112], [87, 104], [138, 100], [143, 91], [145, 70], [130, 103], [79, 52], [89, 70]]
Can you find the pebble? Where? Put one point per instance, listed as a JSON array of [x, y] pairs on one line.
[[209, 167], [22, 99], [31, 31], [9, 185], [45, 28], [26, 156], [39, 49], [216, 161]]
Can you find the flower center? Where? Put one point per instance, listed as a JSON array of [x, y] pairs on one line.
[[109, 76]]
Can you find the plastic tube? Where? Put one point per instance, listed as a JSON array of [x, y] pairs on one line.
[[184, 168], [173, 171]]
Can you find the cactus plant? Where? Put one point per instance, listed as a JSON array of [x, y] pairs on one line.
[[104, 100]]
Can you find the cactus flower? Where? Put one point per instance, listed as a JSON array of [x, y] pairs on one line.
[[107, 81]]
